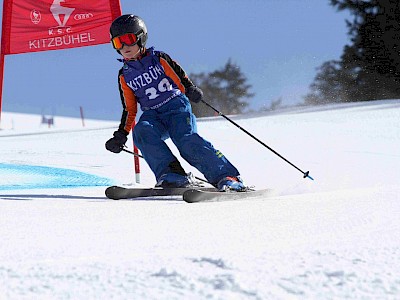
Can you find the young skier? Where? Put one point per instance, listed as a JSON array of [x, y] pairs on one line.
[[163, 90]]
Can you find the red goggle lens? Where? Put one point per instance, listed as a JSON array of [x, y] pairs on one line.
[[128, 39]]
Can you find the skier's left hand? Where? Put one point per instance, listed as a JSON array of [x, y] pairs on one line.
[[194, 94]]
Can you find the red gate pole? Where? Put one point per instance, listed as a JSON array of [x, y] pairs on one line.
[[1, 79], [137, 164], [136, 158]]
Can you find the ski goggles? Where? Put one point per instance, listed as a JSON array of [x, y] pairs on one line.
[[128, 39]]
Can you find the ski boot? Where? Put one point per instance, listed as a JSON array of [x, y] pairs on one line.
[[231, 184], [174, 180]]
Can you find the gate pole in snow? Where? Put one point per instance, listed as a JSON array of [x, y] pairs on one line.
[[82, 116], [137, 164], [1, 78], [136, 158]]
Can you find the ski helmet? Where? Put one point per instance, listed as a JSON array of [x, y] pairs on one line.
[[130, 24]]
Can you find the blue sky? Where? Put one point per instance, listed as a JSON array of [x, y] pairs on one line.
[[278, 44]]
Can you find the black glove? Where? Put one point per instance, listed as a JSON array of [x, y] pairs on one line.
[[116, 144], [194, 94]]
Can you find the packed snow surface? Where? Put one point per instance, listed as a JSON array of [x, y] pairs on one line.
[[333, 238]]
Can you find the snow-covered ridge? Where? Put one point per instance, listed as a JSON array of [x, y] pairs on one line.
[[18, 123]]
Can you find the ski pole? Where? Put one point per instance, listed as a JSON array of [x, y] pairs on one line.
[[305, 174], [133, 153], [141, 156]]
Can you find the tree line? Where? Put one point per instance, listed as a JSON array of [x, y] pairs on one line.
[[368, 69]]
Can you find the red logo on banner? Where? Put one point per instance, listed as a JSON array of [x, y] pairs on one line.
[[58, 24]]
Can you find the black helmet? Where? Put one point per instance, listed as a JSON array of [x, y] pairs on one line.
[[130, 24]]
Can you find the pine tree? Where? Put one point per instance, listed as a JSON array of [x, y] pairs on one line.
[[226, 89], [369, 68]]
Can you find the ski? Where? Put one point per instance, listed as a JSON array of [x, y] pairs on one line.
[[196, 195], [118, 192]]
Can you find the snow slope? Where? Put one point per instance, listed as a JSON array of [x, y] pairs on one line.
[[333, 238]]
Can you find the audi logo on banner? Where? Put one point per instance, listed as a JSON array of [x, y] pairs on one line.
[[83, 16]]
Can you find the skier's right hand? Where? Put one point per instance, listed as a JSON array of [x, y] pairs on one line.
[[116, 143]]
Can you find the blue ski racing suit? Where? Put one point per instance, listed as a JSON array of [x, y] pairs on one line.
[[158, 84]]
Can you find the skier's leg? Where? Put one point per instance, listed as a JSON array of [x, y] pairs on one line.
[[149, 135], [198, 152]]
